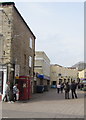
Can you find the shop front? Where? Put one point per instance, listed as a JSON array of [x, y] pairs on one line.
[[44, 81], [3, 80]]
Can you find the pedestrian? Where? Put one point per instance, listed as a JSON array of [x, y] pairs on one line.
[[73, 89], [62, 87], [58, 88], [67, 90], [15, 92], [7, 90]]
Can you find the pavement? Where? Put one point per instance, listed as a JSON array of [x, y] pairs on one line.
[[46, 105]]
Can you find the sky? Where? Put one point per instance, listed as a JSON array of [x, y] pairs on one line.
[[58, 27]]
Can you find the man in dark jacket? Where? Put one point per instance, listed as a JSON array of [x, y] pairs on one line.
[[67, 90], [73, 89]]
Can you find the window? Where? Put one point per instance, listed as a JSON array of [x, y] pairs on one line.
[[59, 74], [30, 42], [30, 61], [37, 66], [3, 52]]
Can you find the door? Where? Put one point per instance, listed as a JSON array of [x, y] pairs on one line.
[[3, 79]]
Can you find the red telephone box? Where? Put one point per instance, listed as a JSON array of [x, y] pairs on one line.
[[24, 86]]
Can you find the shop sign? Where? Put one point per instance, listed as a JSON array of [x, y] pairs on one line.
[[17, 69]]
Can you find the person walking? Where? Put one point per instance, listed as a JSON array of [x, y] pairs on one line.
[[7, 89], [62, 87], [67, 90], [15, 91], [73, 89], [58, 88]]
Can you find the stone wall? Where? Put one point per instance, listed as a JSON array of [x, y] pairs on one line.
[[21, 44], [5, 30], [16, 39]]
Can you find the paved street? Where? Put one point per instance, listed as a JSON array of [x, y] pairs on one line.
[[46, 105]]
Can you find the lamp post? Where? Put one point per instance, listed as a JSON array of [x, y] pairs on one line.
[[1, 62], [1, 48]]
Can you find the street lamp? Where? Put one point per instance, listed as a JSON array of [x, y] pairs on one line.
[[1, 45], [1, 53]]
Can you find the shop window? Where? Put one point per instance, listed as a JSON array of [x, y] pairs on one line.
[[54, 83], [1, 82]]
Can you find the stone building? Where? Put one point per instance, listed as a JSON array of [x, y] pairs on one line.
[[82, 74], [17, 44], [42, 68], [62, 74]]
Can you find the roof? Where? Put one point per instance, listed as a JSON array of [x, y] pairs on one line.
[[12, 3], [56, 65], [6, 3]]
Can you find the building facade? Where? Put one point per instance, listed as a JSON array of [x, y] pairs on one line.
[[62, 74], [17, 43], [42, 68], [82, 74]]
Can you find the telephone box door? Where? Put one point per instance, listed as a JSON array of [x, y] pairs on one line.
[[24, 88]]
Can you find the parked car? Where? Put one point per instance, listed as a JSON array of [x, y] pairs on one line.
[[84, 88], [53, 86], [83, 84]]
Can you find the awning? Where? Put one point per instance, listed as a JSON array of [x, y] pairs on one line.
[[46, 77], [43, 77], [40, 76]]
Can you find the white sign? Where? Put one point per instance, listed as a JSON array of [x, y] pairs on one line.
[[17, 69]]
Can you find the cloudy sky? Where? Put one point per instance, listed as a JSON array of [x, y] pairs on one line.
[[58, 27]]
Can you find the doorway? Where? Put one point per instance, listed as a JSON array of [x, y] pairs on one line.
[[3, 79]]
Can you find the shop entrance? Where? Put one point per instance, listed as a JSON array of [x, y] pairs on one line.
[[53, 82], [3, 79], [1, 82]]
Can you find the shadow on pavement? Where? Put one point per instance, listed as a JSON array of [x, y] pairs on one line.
[[51, 95]]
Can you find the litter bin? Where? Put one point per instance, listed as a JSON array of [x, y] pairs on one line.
[[34, 88], [40, 88], [45, 87]]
